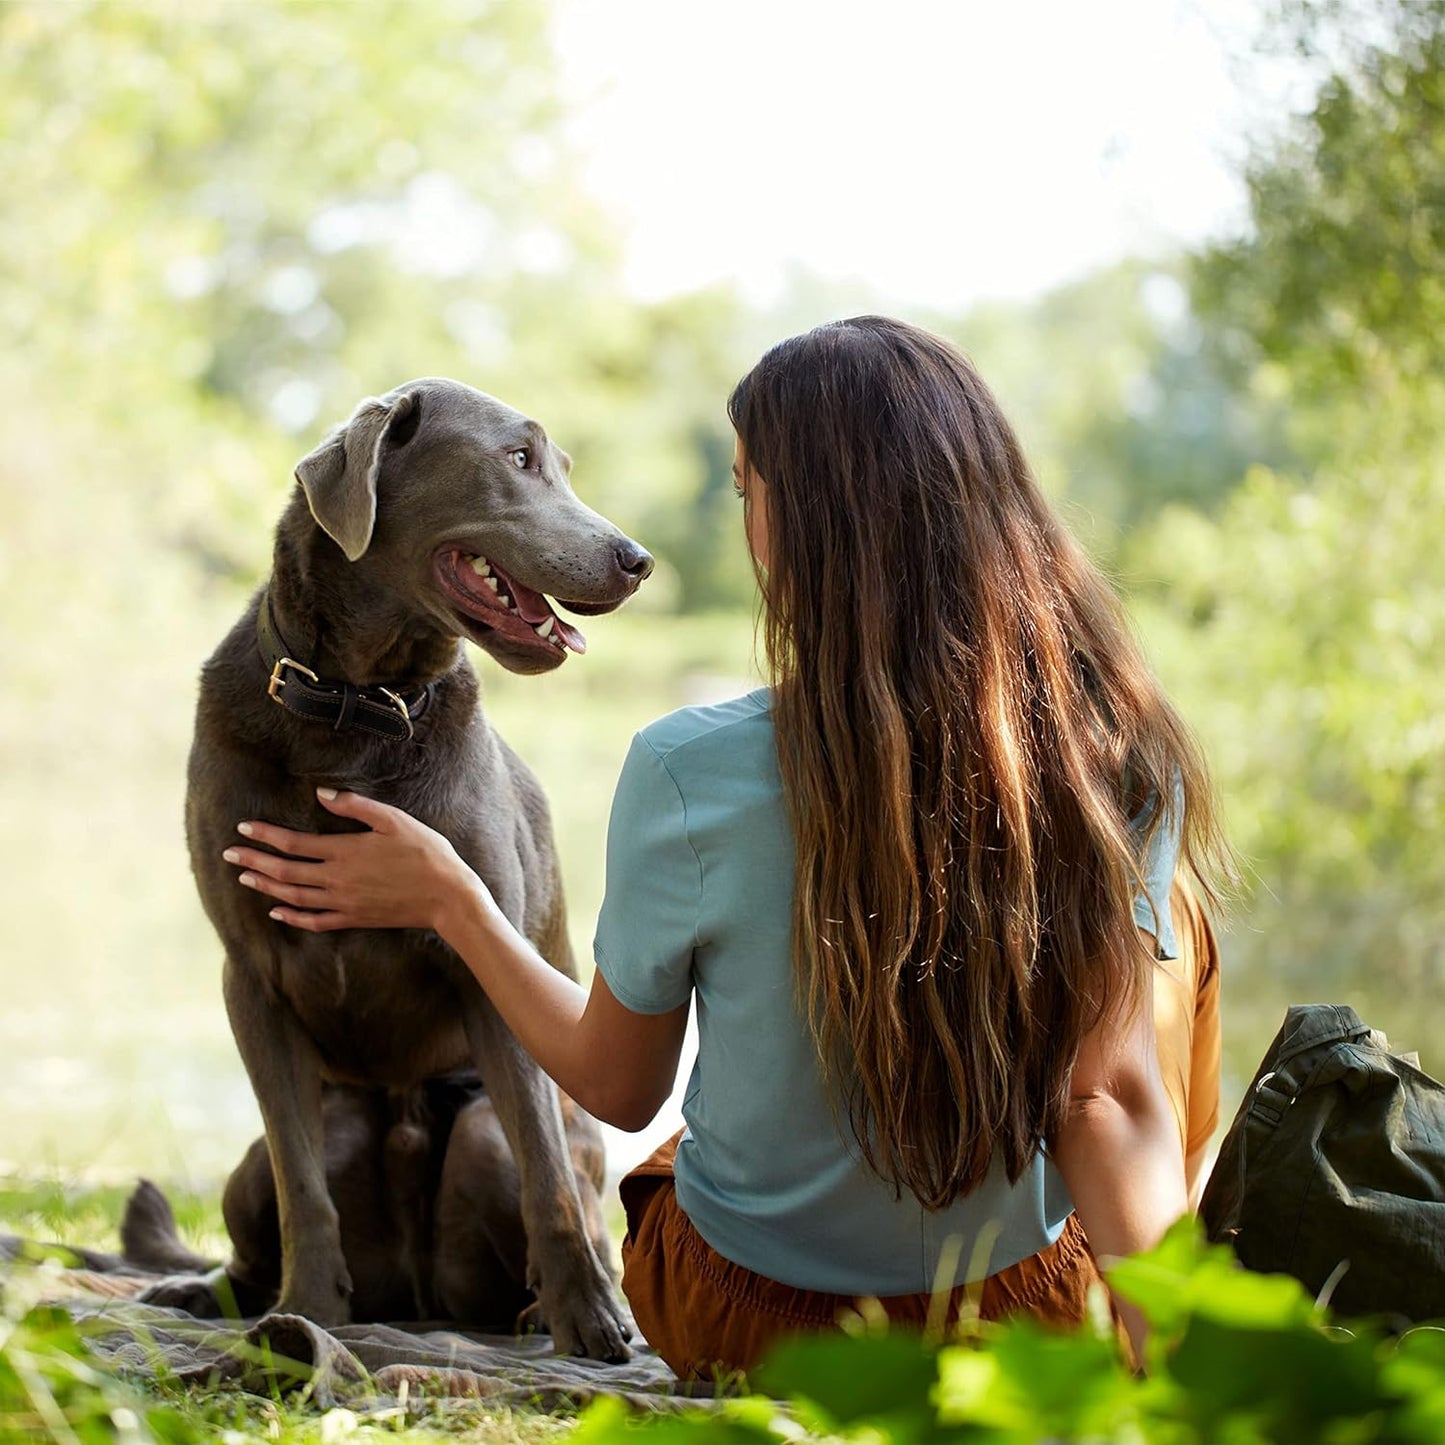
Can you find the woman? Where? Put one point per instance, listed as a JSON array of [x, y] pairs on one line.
[[921, 889]]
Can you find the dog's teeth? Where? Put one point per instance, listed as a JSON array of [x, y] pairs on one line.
[[544, 629], [491, 582], [481, 567]]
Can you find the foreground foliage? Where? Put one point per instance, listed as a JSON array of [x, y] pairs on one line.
[[1235, 1357]]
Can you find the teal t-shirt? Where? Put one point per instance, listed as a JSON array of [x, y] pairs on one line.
[[699, 899]]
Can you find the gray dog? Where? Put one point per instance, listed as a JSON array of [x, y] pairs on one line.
[[436, 513]]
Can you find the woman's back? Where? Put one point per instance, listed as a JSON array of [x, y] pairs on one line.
[[699, 896]]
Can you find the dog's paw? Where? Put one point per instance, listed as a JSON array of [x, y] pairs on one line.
[[196, 1294], [586, 1320], [596, 1329]]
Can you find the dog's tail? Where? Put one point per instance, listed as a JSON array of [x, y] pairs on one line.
[[150, 1239]]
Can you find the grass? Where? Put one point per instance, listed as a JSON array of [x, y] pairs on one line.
[[49, 1389], [52, 1208]]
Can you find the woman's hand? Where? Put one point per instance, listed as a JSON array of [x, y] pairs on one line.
[[401, 874]]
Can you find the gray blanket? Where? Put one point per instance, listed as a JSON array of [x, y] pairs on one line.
[[359, 1366]]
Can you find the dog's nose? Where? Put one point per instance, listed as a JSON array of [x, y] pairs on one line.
[[633, 560]]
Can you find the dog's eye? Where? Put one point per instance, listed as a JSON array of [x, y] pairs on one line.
[[521, 458]]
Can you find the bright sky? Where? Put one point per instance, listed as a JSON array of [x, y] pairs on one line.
[[939, 151]]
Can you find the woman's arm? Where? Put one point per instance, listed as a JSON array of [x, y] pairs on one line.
[[617, 1064], [1118, 1151]]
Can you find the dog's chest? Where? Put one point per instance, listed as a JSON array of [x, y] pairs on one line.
[[381, 1006]]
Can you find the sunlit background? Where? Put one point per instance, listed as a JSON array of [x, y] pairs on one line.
[[1196, 248]]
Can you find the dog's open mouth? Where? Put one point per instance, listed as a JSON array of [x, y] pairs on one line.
[[485, 594]]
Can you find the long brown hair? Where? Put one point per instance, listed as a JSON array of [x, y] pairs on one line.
[[965, 728]]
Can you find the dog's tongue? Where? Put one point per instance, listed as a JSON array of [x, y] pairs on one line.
[[534, 609], [571, 636], [532, 605]]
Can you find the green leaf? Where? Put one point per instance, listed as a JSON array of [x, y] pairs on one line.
[[608, 1420], [883, 1376], [1297, 1380], [1184, 1277], [1414, 1369], [1031, 1379]]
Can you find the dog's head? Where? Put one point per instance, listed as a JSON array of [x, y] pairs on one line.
[[462, 506]]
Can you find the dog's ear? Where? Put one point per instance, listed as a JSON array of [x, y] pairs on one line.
[[339, 477]]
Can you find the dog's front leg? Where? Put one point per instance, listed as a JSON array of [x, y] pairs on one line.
[[563, 1270], [285, 1073]]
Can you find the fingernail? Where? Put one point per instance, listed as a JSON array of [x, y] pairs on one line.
[[327, 793], [276, 914], [231, 856], [245, 829], [248, 880]]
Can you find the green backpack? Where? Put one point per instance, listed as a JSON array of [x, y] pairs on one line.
[[1334, 1170]]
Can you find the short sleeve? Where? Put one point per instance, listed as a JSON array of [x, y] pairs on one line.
[[1156, 866], [647, 929]]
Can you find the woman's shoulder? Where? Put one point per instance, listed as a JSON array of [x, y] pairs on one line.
[[691, 733]]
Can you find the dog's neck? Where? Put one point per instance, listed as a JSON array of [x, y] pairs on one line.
[[345, 630]]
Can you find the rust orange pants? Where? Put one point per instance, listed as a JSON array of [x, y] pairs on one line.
[[702, 1313]]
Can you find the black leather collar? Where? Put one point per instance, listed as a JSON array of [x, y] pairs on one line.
[[377, 710]]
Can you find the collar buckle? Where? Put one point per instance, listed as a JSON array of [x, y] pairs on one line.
[[399, 704], [277, 682]]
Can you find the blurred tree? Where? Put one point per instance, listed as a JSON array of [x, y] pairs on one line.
[[1307, 636], [1122, 405], [1302, 631], [238, 202], [255, 214], [1342, 281]]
